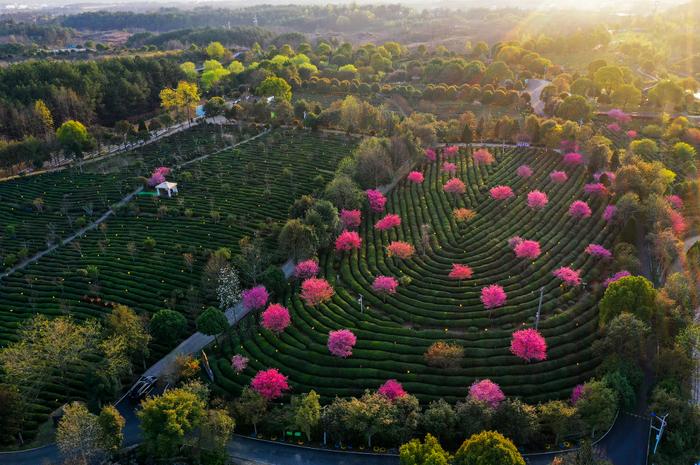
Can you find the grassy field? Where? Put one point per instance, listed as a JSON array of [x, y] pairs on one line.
[[393, 334]]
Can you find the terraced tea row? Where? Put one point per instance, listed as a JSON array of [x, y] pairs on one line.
[[394, 332]]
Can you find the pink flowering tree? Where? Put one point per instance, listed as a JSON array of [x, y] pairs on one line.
[[460, 272], [385, 285], [276, 318], [558, 177], [678, 223], [486, 391], [609, 213], [400, 249], [524, 171], [514, 241], [483, 157], [576, 393], [616, 277], [455, 187], [537, 200], [675, 201], [631, 134], [501, 193], [569, 276], [315, 291], [341, 342], [596, 189], [416, 177], [450, 151], [239, 363], [389, 221], [619, 116], [155, 179], [493, 296], [392, 389], [449, 168], [430, 155], [348, 241], [614, 127], [270, 383], [606, 177], [350, 219], [376, 200], [573, 159], [529, 345], [579, 209], [528, 249], [255, 298], [597, 250], [306, 269]]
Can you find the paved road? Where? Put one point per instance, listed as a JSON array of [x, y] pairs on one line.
[[535, 88]]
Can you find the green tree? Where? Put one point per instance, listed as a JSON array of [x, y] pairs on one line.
[[167, 326], [684, 152], [298, 240], [216, 50], [215, 106], [250, 408], [556, 418], [625, 336], [627, 96], [236, 67], [497, 72], [488, 448], [275, 87], [439, 419], [74, 137], [631, 294], [215, 431], [343, 192], [123, 323], [307, 412], [111, 428], [369, 415], [168, 418], [666, 94], [190, 70], [212, 322], [574, 108], [429, 452], [597, 406], [681, 442], [609, 78], [516, 420], [10, 413]]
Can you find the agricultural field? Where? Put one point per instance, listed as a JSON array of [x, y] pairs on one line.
[[222, 198], [394, 333], [38, 211]]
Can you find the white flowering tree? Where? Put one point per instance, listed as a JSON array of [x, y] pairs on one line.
[[229, 289]]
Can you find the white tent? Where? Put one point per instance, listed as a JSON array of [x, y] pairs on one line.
[[168, 187]]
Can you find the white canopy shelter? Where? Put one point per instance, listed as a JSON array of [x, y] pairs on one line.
[[169, 187]]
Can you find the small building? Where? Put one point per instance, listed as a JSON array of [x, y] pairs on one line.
[[169, 187]]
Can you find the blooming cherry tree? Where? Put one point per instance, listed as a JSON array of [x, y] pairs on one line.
[[430, 155], [501, 193], [493, 296], [597, 250], [609, 212], [270, 383], [450, 151], [415, 177], [573, 159], [486, 391], [348, 241], [616, 277], [341, 342], [455, 187], [537, 200], [631, 134], [449, 168], [239, 363], [255, 298], [376, 200], [569, 276], [315, 291], [350, 218], [596, 189], [524, 171], [619, 116], [558, 177], [675, 201], [614, 127], [678, 223], [514, 241], [527, 249], [460, 272], [385, 285], [400, 249], [306, 269], [529, 345], [483, 156], [389, 221], [576, 393], [579, 209], [392, 389], [276, 318]]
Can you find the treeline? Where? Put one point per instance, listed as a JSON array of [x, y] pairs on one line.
[[240, 35], [303, 18], [41, 34]]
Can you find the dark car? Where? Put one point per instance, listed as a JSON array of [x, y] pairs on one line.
[[143, 387]]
